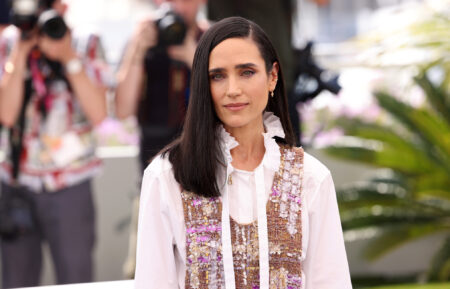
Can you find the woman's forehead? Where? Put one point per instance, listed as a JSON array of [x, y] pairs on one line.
[[234, 51]]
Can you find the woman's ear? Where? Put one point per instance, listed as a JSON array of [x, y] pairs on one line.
[[273, 76]]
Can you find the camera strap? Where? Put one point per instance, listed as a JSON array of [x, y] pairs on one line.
[[40, 80], [17, 132], [16, 208], [36, 74], [37, 81]]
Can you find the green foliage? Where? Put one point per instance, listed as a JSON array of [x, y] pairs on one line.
[[413, 200], [411, 286], [440, 268]]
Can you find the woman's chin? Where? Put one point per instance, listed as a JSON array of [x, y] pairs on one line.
[[230, 119], [241, 121]]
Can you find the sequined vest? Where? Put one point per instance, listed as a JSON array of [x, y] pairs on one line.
[[203, 235]]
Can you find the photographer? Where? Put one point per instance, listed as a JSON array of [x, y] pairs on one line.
[[51, 97], [154, 77]]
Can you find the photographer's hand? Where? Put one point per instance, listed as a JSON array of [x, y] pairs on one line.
[[185, 52], [131, 71], [24, 46], [12, 82], [57, 49], [144, 38], [91, 96]]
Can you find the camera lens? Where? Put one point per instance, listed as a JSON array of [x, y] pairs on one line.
[[171, 29], [52, 24], [23, 15]]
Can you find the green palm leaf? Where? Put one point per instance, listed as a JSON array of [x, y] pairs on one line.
[[384, 216], [412, 200], [437, 193], [440, 265], [366, 196], [390, 238], [436, 180], [416, 286], [431, 129], [436, 96], [384, 157], [394, 139]]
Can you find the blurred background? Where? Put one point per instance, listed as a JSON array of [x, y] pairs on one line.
[[371, 94]]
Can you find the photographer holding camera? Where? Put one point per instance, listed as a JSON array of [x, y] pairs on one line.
[[52, 94], [154, 78]]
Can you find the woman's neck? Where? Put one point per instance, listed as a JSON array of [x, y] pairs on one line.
[[250, 151]]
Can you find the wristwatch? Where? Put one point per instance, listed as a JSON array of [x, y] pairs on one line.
[[74, 66], [9, 67]]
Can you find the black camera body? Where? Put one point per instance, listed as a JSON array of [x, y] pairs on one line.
[[171, 27], [30, 14], [311, 79], [17, 213]]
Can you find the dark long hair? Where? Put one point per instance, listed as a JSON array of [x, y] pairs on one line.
[[196, 154]]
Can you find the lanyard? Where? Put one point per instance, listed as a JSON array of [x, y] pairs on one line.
[[227, 250], [263, 238]]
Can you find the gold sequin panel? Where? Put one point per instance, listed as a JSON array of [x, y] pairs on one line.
[[203, 242], [203, 234]]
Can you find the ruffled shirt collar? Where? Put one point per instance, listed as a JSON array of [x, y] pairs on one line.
[[273, 128]]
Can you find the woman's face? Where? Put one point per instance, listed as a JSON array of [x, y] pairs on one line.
[[239, 82]]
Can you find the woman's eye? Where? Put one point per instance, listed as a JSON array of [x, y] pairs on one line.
[[248, 73], [216, 76]]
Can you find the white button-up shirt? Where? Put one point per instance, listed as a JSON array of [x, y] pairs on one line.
[[161, 248]]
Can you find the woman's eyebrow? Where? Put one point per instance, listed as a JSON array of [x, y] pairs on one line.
[[238, 66], [216, 70], [245, 65]]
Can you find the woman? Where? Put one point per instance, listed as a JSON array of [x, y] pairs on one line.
[[232, 203]]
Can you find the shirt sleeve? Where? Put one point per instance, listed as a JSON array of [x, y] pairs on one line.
[[155, 260], [326, 266]]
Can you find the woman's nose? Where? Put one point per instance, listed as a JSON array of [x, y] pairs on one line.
[[233, 87]]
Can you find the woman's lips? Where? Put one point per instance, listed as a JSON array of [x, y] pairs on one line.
[[236, 106]]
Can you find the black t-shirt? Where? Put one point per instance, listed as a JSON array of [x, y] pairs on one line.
[[163, 104]]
